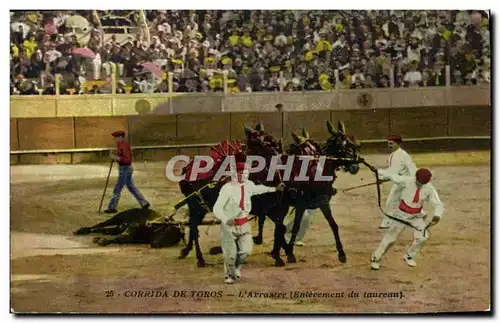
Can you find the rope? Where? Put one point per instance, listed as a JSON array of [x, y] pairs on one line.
[[364, 185]]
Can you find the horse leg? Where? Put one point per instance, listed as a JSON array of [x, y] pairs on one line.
[[199, 255], [279, 241], [277, 215], [327, 212], [299, 212], [258, 239], [187, 249]]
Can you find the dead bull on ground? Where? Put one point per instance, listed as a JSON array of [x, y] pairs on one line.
[[137, 226], [141, 226]]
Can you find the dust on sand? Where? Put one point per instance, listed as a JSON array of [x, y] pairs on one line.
[[54, 271]]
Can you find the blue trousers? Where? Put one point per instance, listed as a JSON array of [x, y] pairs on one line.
[[125, 178]]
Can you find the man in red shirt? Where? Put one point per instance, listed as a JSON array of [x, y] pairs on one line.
[[124, 158]]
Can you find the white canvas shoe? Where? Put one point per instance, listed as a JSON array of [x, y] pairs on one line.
[[410, 261], [299, 243], [237, 273], [229, 280], [375, 264]]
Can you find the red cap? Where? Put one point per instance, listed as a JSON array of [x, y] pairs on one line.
[[118, 133], [396, 138], [423, 175]]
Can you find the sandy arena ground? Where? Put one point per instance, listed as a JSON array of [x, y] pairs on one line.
[[54, 271]]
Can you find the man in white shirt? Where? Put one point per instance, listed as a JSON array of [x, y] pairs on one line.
[[52, 54], [413, 77], [400, 163], [414, 191], [341, 42], [357, 75], [280, 40], [232, 207]]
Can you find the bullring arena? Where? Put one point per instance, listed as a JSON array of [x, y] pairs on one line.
[[66, 102], [58, 171]]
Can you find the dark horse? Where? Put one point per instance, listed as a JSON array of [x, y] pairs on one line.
[[340, 151], [201, 194]]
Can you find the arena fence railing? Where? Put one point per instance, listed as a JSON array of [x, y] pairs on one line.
[[208, 145]]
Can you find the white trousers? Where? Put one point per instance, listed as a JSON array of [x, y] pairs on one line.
[[305, 224], [395, 230], [391, 204], [236, 243]]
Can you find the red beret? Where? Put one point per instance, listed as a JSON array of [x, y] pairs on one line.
[[118, 133], [423, 175], [396, 138]]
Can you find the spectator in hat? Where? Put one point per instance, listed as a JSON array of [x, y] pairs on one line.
[[437, 76], [482, 73], [50, 89], [413, 77], [368, 83], [125, 171], [30, 88], [358, 75], [383, 82], [358, 84]]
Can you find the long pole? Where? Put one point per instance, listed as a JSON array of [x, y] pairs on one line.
[[105, 187]]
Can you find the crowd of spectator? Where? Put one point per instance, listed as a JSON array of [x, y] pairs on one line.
[[257, 50]]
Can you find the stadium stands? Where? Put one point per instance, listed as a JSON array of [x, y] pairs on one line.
[[250, 50]]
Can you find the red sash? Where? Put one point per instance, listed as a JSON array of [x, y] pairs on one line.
[[240, 221], [408, 209]]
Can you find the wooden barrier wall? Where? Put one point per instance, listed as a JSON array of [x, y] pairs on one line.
[[94, 132], [177, 103]]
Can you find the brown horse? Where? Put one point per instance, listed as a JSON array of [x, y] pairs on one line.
[[340, 153]]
